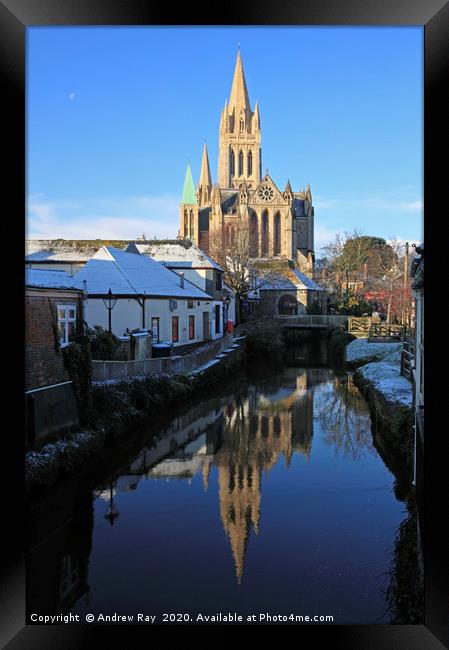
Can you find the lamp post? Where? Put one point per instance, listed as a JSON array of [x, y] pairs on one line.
[[109, 303], [111, 513], [226, 303], [405, 310]]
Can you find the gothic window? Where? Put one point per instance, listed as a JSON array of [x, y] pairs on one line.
[[250, 163], [242, 125], [264, 247], [253, 235], [240, 163], [192, 228], [277, 235], [266, 193], [232, 163], [186, 223], [287, 305]]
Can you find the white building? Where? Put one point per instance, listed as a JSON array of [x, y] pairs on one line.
[[147, 296], [185, 257]]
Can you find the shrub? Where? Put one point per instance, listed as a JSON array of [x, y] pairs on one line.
[[338, 339], [77, 361], [264, 338], [103, 344]]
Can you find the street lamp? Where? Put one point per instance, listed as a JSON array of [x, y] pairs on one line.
[[109, 303], [111, 513], [226, 303]]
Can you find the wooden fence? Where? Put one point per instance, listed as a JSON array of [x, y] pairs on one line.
[[107, 370], [381, 332], [365, 326], [359, 325]]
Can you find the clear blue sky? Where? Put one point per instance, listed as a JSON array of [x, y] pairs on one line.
[[114, 114]]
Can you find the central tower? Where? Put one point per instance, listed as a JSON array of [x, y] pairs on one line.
[[239, 153]]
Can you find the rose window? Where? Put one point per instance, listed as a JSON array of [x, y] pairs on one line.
[[266, 193]]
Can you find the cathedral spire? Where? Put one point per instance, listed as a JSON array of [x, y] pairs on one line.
[[205, 182], [188, 191], [239, 93]]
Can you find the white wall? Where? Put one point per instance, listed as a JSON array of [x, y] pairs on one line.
[[127, 313], [71, 269], [195, 276]]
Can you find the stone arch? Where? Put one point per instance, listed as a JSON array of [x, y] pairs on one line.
[[264, 234], [277, 234], [287, 305]]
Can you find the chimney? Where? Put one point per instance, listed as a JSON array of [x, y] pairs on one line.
[[181, 275]]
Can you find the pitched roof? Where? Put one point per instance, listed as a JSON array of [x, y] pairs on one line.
[[176, 255], [131, 273], [281, 275], [43, 278], [188, 191], [56, 256]]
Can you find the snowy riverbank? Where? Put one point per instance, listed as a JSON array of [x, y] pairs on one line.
[[360, 352]]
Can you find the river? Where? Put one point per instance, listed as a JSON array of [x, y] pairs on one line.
[[268, 497]]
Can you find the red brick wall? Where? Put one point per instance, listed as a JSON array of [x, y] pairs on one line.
[[43, 365]]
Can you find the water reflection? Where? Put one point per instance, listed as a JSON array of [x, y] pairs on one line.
[[292, 448]]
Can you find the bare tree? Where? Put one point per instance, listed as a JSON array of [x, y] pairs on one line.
[[231, 247]]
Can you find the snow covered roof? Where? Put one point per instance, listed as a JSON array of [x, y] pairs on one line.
[[128, 273], [57, 256], [176, 255], [291, 280], [49, 279], [307, 282]]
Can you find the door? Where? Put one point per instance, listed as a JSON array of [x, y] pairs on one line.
[[207, 335]]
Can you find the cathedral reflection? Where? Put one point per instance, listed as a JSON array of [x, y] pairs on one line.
[[249, 435]]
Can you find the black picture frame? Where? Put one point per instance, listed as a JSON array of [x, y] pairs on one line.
[[15, 17]]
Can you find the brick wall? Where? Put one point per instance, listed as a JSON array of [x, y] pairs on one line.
[[43, 365]]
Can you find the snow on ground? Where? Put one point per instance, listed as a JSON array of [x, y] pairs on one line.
[[360, 349], [387, 380]]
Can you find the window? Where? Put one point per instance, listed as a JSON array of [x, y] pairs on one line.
[[240, 163], [190, 304], [192, 228], [231, 163], [277, 235], [218, 281], [250, 163], [175, 329], [217, 319], [155, 328], [264, 246], [66, 322], [191, 327]]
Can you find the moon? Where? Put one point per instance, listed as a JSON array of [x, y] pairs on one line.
[[72, 96]]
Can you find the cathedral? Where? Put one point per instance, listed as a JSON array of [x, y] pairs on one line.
[[280, 222]]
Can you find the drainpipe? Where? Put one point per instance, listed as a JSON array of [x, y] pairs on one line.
[[83, 304]]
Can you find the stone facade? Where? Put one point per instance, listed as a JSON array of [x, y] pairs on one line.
[[281, 223]]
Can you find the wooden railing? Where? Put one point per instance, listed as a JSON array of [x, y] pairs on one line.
[[408, 356], [382, 332], [359, 325]]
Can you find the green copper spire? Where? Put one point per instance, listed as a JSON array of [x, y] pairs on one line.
[[188, 192]]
